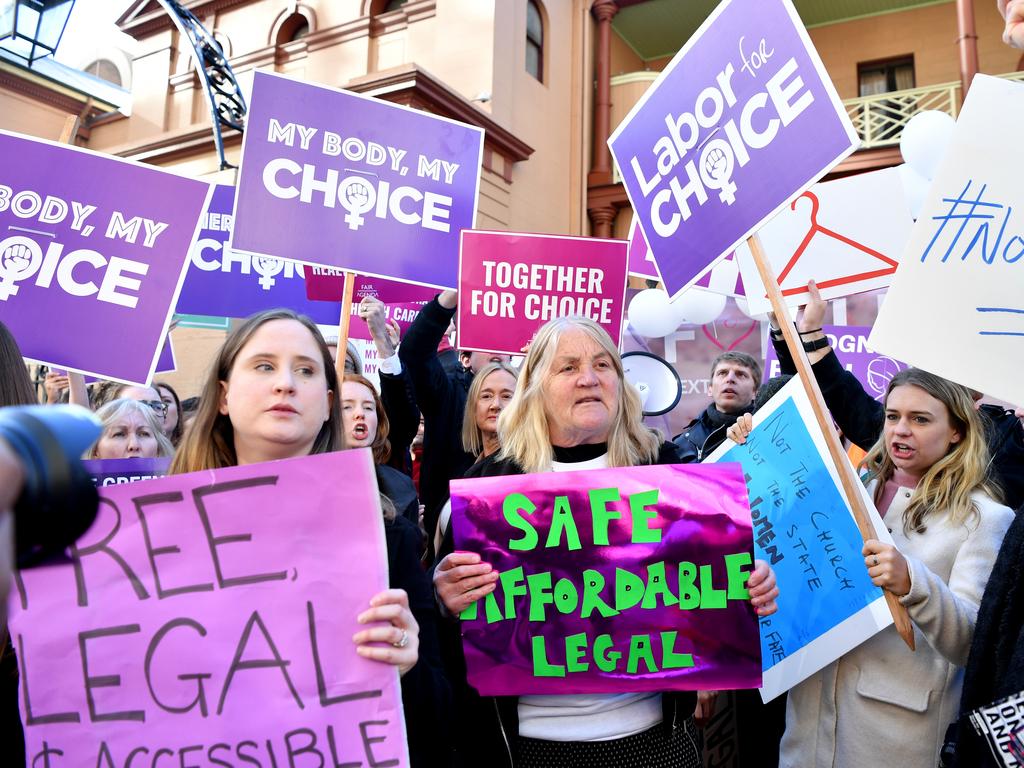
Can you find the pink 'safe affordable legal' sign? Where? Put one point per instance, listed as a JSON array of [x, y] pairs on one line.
[[611, 580], [510, 284], [335, 178], [93, 251], [207, 619], [742, 119]]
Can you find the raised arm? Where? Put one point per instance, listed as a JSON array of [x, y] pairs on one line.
[[418, 352], [858, 415]]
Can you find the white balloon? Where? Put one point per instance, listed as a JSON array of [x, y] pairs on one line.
[[697, 307], [651, 315], [724, 275], [915, 188], [925, 139], [744, 307]]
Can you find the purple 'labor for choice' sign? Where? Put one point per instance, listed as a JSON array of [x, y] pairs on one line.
[[335, 178], [741, 120], [611, 580], [92, 254]]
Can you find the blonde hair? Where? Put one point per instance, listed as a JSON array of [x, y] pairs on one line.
[[116, 409], [523, 425], [947, 485], [472, 438]]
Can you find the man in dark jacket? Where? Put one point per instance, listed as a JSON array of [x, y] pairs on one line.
[[734, 380], [441, 398]]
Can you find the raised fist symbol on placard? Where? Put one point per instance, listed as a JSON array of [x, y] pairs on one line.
[[20, 257], [267, 267], [357, 196]]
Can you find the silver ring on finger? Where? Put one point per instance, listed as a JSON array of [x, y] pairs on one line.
[[874, 560], [403, 640]]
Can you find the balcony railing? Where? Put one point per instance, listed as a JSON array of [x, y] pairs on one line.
[[879, 119]]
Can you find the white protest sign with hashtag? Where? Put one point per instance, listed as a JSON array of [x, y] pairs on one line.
[[956, 305]]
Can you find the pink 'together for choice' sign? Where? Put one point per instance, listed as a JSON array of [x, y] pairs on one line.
[[510, 284], [208, 618], [93, 251], [402, 301], [335, 178], [742, 119], [611, 581]]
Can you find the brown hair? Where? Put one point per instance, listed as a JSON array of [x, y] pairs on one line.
[[176, 433], [740, 358], [209, 443], [381, 446], [17, 387]]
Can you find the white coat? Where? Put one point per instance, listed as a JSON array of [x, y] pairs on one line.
[[881, 703]]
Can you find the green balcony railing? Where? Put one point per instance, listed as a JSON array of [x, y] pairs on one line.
[[879, 119]]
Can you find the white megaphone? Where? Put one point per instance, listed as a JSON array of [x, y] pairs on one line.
[[655, 380]]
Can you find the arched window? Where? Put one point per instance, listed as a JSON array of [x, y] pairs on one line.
[[295, 27], [105, 69], [534, 40], [377, 7]]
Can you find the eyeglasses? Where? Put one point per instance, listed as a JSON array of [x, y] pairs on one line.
[[157, 405]]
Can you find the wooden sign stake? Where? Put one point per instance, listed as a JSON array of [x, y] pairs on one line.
[[847, 474], [343, 323]]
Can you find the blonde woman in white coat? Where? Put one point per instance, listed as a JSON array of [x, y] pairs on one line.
[[881, 703]]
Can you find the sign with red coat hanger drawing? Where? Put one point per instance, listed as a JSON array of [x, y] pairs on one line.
[[846, 235]]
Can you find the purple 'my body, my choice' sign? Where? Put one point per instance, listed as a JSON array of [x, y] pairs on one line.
[[850, 345], [92, 254], [611, 581], [335, 178], [742, 119], [226, 283]]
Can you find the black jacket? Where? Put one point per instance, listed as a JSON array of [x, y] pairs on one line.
[[426, 695], [398, 487], [861, 418], [441, 398], [399, 403], [995, 668], [489, 725], [705, 433]]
